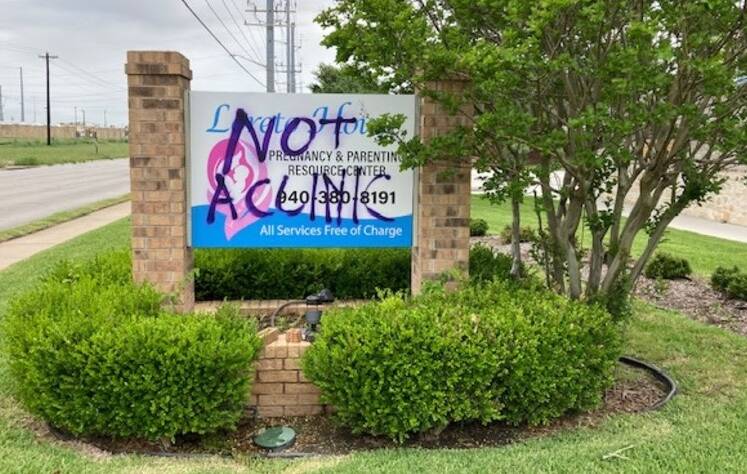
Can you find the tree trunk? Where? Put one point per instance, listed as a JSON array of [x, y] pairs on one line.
[[516, 237], [653, 241], [596, 256]]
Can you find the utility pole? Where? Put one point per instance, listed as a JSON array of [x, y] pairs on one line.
[[270, 40], [23, 107], [288, 49], [84, 117], [104, 118], [75, 112], [1, 104], [46, 58], [271, 20], [293, 57]]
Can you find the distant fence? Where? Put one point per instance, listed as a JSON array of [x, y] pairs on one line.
[[39, 132]]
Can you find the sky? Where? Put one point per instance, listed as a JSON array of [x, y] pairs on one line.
[[91, 38]]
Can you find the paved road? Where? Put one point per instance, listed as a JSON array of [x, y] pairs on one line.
[[34, 193], [15, 250]]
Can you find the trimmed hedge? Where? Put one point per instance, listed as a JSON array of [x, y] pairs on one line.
[[668, 267], [738, 287], [730, 281], [722, 277], [297, 273], [488, 352], [527, 234], [486, 264], [478, 227], [92, 353], [289, 273]]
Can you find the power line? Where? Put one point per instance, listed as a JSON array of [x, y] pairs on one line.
[[93, 76], [238, 27], [89, 81], [256, 43], [228, 51], [230, 33]]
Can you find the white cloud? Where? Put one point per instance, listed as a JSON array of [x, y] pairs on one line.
[[91, 37]]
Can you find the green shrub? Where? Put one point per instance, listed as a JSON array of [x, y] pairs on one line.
[[478, 227], [527, 234], [738, 287], [668, 267], [400, 370], [113, 267], [486, 264], [94, 355], [487, 352], [722, 277], [297, 273]]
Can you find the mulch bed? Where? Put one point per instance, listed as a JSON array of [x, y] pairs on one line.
[[634, 391], [696, 299]]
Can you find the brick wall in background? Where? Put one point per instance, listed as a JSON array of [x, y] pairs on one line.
[[39, 132], [729, 206]]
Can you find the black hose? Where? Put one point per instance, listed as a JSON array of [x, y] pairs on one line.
[[282, 307], [658, 374]]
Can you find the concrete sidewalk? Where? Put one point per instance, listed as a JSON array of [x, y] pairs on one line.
[[711, 228], [15, 250]]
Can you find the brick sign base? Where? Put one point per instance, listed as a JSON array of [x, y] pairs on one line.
[[280, 388], [157, 84]]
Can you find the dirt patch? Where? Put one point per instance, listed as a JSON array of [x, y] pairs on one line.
[[695, 298], [635, 390]]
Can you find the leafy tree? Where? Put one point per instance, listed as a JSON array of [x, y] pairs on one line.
[[345, 78], [588, 99]]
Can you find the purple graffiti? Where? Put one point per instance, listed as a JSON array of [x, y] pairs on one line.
[[222, 194]]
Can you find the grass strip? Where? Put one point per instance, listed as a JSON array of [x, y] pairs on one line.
[[59, 218], [704, 252], [36, 153]]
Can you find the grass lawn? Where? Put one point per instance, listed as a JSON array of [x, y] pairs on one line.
[[34, 153], [702, 430], [703, 252]]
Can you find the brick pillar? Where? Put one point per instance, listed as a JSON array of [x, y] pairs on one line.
[[442, 220], [157, 82]]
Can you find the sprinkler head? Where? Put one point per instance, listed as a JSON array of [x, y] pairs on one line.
[[276, 438]]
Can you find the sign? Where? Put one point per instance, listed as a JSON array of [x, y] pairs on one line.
[[296, 170]]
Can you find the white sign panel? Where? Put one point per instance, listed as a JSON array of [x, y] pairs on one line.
[[296, 170]]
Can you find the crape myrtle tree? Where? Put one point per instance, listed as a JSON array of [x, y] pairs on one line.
[[345, 78], [590, 100]]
